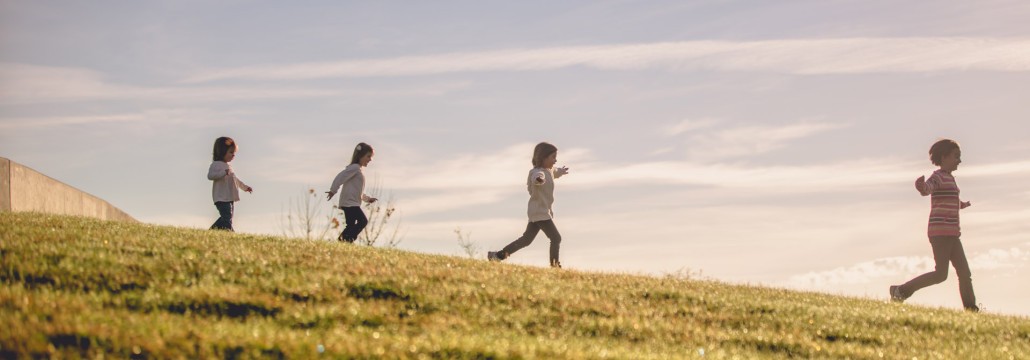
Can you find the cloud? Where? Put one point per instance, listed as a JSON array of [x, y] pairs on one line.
[[792, 56], [426, 183], [902, 267], [194, 117], [26, 84], [689, 125], [750, 140]]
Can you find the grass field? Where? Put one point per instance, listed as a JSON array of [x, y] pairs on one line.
[[75, 287]]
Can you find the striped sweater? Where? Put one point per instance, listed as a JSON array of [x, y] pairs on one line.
[[944, 204]]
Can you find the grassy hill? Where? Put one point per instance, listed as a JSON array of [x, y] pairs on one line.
[[81, 287]]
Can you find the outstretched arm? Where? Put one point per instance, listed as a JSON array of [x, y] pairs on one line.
[[342, 177], [559, 172], [926, 187]]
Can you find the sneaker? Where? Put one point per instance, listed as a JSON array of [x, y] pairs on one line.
[[896, 295], [555, 264], [977, 308], [493, 256]]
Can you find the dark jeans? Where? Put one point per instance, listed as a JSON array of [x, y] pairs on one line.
[[224, 221], [946, 249], [532, 229], [355, 220]]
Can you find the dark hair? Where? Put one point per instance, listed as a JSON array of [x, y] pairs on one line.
[[360, 151], [541, 152], [222, 146], [940, 149]]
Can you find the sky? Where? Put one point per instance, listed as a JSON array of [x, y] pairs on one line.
[[750, 142]]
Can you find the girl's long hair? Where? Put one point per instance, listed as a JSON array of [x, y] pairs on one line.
[[541, 152], [360, 151]]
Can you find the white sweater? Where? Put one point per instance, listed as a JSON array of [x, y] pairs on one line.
[[226, 186], [541, 195], [353, 181]]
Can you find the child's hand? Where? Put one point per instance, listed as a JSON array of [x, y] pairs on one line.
[[372, 200], [921, 184], [966, 204], [563, 170], [250, 189], [329, 196]]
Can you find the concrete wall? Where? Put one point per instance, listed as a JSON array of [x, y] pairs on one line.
[[24, 189]]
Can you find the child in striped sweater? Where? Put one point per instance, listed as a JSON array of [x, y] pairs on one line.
[[943, 228]]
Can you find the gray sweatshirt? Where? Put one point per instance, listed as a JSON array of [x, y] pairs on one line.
[[541, 194], [353, 181]]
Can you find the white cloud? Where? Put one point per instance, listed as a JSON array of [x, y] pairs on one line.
[[195, 117], [793, 56], [689, 125], [24, 83], [750, 140], [505, 168], [900, 268]]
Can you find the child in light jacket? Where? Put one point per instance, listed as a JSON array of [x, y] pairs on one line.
[[225, 187], [352, 179], [540, 185]]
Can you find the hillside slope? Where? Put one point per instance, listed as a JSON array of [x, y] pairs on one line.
[[82, 287]]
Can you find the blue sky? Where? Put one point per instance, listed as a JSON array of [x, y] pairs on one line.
[[756, 142]]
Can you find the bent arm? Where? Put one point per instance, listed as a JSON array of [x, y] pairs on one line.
[[341, 178], [216, 171], [928, 186], [537, 177]]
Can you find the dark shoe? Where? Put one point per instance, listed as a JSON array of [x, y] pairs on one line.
[[896, 295], [493, 256]]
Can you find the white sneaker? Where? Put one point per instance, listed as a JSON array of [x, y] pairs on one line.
[[493, 256]]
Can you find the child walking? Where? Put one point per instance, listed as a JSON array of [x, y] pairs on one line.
[[943, 228], [352, 179], [540, 185], [226, 186]]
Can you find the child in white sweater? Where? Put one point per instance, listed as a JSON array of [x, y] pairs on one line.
[[540, 185], [226, 186], [352, 179]]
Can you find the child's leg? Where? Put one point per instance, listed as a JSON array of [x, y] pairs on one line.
[[224, 221], [228, 220], [552, 233], [527, 238], [965, 277], [355, 220], [942, 249], [348, 222]]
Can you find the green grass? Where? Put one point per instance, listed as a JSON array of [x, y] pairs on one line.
[[75, 287]]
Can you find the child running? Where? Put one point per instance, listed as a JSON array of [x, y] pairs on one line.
[[943, 227], [541, 195], [226, 186], [353, 181]]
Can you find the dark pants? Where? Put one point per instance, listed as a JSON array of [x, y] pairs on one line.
[[355, 220], [224, 221], [532, 229], [946, 249]]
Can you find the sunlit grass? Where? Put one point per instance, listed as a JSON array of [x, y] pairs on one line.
[[75, 287]]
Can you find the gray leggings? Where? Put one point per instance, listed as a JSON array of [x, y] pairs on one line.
[[532, 229], [946, 249]]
